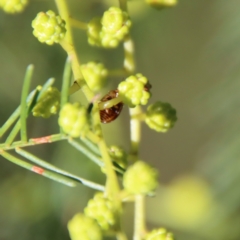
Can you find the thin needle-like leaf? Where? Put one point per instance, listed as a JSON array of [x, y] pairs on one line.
[[13, 133], [45, 87], [10, 121], [16, 114], [91, 155], [91, 145], [24, 110], [53, 168], [66, 82], [38, 170]]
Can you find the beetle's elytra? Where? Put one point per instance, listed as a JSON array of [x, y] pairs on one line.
[[109, 114]]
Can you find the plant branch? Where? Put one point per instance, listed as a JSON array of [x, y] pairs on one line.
[[38, 170], [33, 141], [53, 168], [68, 46], [139, 217]]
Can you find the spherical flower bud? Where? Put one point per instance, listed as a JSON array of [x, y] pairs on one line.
[[159, 234], [95, 75], [48, 27], [93, 32], [48, 104], [140, 178], [102, 210], [81, 227], [13, 6], [115, 21], [118, 155], [159, 4], [115, 26], [133, 92], [161, 116], [73, 119]]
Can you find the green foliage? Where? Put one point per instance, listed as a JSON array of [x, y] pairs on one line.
[[82, 121]]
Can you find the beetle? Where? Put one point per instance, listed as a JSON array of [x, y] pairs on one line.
[[109, 114]]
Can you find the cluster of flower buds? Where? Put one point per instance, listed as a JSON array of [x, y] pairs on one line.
[[13, 6], [73, 119], [48, 104], [48, 27], [109, 30]]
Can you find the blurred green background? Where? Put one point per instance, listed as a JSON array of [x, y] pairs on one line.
[[191, 56]]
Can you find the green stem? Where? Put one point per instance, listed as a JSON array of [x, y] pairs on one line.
[[112, 186], [53, 168], [129, 62], [117, 73], [78, 24], [38, 170], [123, 5], [68, 46], [90, 145], [33, 141], [139, 217], [24, 110], [135, 136], [135, 132]]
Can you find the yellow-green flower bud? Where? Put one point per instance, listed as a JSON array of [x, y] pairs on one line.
[[13, 6], [73, 119], [95, 75], [48, 104], [159, 234], [93, 32], [103, 211], [132, 90], [140, 178], [81, 227], [48, 27], [161, 116], [115, 26]]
